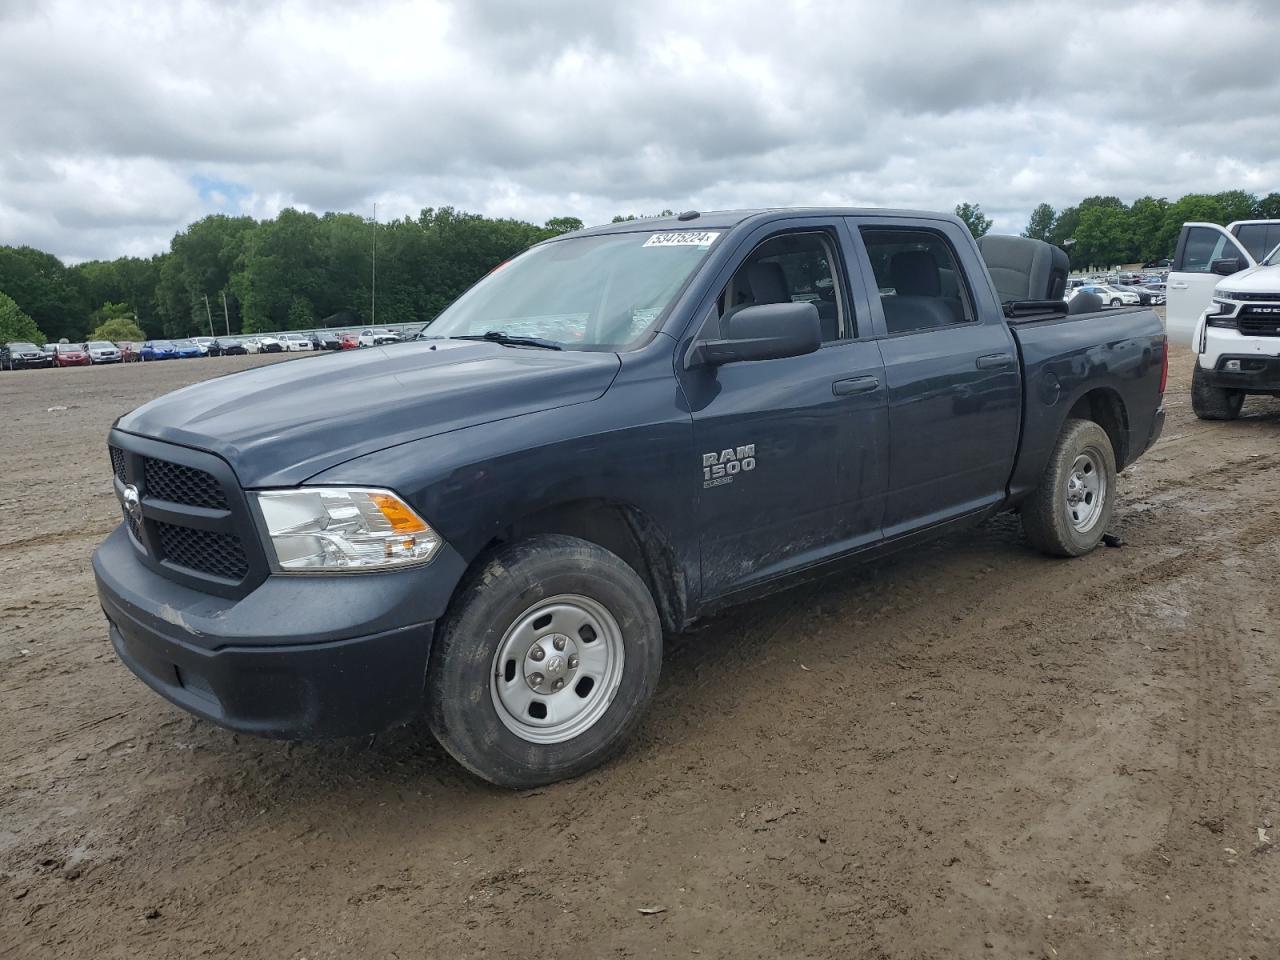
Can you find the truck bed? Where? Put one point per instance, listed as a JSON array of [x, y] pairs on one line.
[[1110, 363]]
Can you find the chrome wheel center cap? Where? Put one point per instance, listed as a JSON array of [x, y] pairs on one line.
[[551, 663]]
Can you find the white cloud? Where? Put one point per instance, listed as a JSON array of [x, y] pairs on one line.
[[123, 122]]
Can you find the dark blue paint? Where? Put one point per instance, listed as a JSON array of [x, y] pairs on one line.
[[866, 445]]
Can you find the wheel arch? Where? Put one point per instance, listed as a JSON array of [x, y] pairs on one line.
[[1105, 407], [619, 527]]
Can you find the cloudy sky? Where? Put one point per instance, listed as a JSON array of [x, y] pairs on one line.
[[122, 122]]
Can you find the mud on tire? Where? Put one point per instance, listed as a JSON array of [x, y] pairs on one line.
[[1213, 403], [547, 609], [1059, 518]]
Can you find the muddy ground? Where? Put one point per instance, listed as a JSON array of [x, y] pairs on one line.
[[966, 751]]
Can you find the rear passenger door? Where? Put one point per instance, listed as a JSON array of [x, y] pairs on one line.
[[951, 368]]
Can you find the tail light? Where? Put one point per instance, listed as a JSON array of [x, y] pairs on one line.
[[1164, 364]]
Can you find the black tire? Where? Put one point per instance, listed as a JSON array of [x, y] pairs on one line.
[[1213, 403], [461, 708], [1046, 514], [1115, 301]]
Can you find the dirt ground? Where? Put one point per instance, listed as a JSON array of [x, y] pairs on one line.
[[966, 751]]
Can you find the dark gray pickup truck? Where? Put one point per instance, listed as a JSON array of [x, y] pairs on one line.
[[608, 437]]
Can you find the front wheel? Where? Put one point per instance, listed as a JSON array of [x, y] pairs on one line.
[[1115, 301], [545, 663], [1213, 403], [1071, 509]]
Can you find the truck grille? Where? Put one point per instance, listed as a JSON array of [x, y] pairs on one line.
[[1258, 326], [192, 521], [217, 554], [178, 484]]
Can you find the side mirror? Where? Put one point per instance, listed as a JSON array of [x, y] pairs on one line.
[[766, 331], [1226, 266]]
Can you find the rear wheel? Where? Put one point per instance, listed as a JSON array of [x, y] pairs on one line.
[[1213, 403], [545, 663], [1115, 301], [1071, 508]]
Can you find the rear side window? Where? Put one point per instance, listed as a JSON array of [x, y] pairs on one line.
[[920, 282], [1258, 238], [1203, 246]]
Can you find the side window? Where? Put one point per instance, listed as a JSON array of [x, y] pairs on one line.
[[1205, 245], [796, 268], [921, 284], [1258, 238]]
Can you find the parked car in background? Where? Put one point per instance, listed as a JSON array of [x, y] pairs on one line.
[[128, 351], [70, 355], [350, 341], [326, 340], [1150, 297], [377, 336], [269, 345], [204, 343], [227, 347], [187, 349], [1111, 296], [47, 350], [21, 355], [296, 342], [158, 350], [102, 351]]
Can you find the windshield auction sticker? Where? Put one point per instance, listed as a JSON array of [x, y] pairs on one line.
[[702, 239]]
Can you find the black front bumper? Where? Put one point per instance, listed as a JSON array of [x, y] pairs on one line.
[[1258, 374], [300, 657]]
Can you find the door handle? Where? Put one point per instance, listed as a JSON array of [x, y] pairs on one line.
[[1178, 286], [845, 388], [995, 361]]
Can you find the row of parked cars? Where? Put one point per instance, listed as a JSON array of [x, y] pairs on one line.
[[1121, 290], [19, 355]]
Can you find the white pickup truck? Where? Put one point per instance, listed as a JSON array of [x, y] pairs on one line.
[[1204, 255], [1224, 292]]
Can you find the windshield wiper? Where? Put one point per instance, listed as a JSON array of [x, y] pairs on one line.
[[509, 340]]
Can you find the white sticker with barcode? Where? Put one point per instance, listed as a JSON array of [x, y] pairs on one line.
[[684, 238]]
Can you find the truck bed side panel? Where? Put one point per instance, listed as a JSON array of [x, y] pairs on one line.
[[1117, 351]]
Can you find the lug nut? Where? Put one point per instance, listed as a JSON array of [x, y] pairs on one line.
[[559, 643], [535, 679], [573, 661], [537, 653], [557, 685]]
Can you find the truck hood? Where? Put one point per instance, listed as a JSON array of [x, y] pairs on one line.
[[1259, 279], [279, 425]]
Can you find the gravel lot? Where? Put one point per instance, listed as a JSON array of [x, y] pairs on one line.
[[966, 751]]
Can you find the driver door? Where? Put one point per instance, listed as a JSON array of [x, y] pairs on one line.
[[791, 452]]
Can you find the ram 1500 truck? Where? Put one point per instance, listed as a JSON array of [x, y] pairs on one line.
[[611, 435], [1237, 341]]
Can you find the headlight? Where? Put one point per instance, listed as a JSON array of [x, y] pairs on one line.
[[337, 529]]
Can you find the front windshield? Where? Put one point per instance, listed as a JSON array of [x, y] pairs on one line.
[[602, 292], [29, 347], [101, 345], [163, 345], [184, 343]]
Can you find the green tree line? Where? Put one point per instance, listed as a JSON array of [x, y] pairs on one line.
[[1106, 232], [301, 270], [295, 271]]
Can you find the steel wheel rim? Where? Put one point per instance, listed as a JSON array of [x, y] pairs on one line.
[[564, 653], [1086, 491]]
